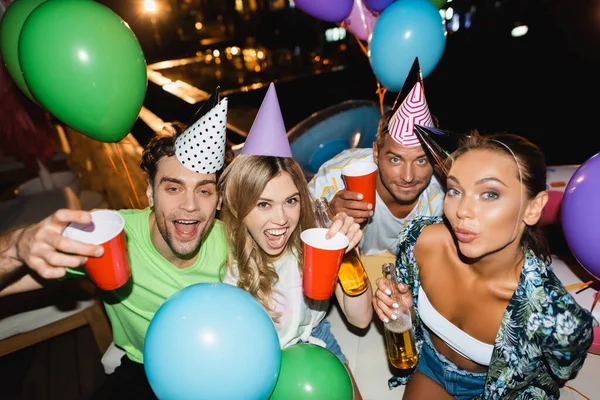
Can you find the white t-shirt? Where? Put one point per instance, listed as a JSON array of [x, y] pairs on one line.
[[381, 232], [298, 315]]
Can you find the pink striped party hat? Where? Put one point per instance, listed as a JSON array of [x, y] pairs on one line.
[[412, 111]]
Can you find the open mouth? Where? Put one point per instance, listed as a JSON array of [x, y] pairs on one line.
[[186, 228], [276, 238]]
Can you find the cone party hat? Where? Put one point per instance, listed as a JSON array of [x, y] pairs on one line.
[[201, 147], [413, 109], [268, 136]]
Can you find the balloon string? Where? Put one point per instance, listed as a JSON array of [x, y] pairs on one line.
[[110, 158], [137, 199], [595, 301], [381, 91], [362, 46], [131, 202], [579, 286], [581, 394]]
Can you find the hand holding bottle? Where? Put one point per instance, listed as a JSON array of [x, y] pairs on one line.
[[393, 304], [391, 299]]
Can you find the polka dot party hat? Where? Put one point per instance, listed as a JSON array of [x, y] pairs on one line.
[[201, 148]]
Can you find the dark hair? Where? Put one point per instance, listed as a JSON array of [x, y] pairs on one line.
[[163, 145], [532, 164]]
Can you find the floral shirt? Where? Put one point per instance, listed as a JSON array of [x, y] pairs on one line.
[[544, 335]]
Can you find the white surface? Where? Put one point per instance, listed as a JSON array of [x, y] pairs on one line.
[[359, 169], [315, 237], [106, 224], [569, 274], [30, 320], [112, 358]]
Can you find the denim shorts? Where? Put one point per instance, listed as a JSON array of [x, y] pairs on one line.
[[463, 385], [323, 332]]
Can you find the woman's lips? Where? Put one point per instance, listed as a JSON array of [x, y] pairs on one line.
[[465, 236]]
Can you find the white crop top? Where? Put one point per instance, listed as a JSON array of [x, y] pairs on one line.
[[458, 340]]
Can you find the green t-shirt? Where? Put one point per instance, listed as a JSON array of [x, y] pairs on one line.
[[154, 280]]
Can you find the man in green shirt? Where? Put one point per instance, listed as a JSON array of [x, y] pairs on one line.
[[174, 243]]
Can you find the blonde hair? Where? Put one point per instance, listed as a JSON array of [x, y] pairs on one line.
[[240, 186]]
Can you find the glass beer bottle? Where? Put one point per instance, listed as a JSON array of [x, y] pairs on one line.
[[399, 337], [352, 275]]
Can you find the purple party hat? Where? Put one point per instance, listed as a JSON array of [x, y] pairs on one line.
[[267, 136]]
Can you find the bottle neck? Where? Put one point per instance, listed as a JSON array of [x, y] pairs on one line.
[[323, 213]]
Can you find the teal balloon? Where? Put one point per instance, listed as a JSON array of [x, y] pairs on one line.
[[211, 341], [84, 64], [406, 29], [10, 31], [311, 372]]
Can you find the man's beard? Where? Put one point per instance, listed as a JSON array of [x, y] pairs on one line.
[[404, 200], [186, 253]]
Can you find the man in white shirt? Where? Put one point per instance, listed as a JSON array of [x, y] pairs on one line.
[[405, 186]]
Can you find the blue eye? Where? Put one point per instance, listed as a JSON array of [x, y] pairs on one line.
[[421, 161], [452, 192], [490, 195], [395, 160]]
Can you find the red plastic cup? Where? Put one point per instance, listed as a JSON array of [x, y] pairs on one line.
[[361, 177], [322, 259], [111, 271]]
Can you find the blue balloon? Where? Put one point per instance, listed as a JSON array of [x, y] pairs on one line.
[[212, 341], [406, 29]]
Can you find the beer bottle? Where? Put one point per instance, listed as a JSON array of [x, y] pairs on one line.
[[399, 337], [352, 275]]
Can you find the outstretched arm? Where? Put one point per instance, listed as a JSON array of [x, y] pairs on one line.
[[40, 251]]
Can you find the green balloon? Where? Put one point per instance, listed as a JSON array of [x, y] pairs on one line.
[[10, 30], [83, 63], [311, 372], [439, 3]]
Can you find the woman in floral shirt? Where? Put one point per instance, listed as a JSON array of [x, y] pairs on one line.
[[491, 320]]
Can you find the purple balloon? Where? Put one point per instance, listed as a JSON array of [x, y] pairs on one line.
[[581, 215], [360, 21], [327, 10], [378, 5]]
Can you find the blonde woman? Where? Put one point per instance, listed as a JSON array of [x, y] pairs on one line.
[[266, 205]]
